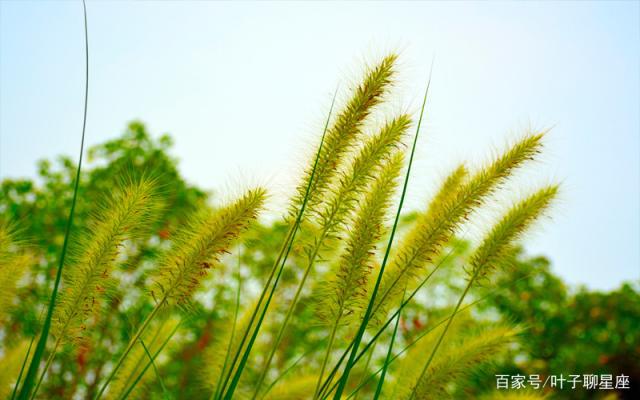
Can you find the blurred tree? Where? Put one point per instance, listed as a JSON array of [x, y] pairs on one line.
[[586, 332]]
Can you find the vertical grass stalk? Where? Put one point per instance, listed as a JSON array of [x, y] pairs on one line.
[[44, 335]]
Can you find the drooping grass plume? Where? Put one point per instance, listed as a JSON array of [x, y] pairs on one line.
[[494, 247], [343, 295], [32, 372], [456, 361], [197, 247], [448, 210], [342, 135]]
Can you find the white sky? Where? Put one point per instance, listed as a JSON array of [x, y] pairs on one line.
[[244, 88]]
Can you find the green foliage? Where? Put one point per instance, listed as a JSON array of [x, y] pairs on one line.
[[568, 331]]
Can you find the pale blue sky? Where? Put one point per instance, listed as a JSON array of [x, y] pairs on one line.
[[244, 88]]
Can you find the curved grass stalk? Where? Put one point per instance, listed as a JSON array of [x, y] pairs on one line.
[[362, 169], [32, 372], [132, 364], [493, 248], [365, 368], [363, 325], [282, 256]]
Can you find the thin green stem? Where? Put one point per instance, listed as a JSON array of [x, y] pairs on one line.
[[165, 393], [366, 364], [141, 359], [291, 309], [129, 347], [288, 245], [286, 370], [388, 357], [363, 325], [385, 325], [144, 370], [24, 363], [233, 331], [443, 334], [52, 355], [44, 335], [327, 354], [427, 331]]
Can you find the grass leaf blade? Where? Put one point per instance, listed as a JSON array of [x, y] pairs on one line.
[[29, 380]]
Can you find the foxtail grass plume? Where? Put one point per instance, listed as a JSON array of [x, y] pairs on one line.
[[125, 215], [449, 209], [343, 134], [199, 246], [498, 243], [347, 287], [352, 184], [491, 253]]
